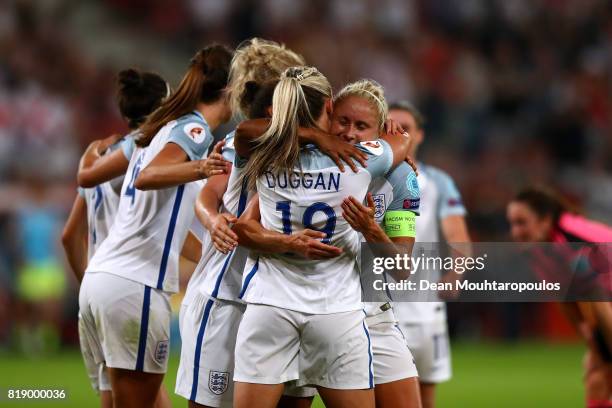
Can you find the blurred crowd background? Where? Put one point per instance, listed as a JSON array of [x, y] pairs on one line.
[[514, 92]]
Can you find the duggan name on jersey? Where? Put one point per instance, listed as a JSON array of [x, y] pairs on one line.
[[322, 181]]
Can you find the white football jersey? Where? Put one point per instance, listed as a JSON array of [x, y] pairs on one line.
[[102, 201], [223, 277], [439, 199], [219, 275], [396, 191], [201, 271], [150, 228], [310, 196]]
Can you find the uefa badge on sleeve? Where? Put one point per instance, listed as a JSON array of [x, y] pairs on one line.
[[195, 132], [218, 381], [373, 146], [412, 184]]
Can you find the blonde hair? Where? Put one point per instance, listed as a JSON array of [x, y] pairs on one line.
[[259, 61], [298, 100], [370, 90]]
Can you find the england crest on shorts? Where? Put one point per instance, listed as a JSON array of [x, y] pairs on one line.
[[161, 351], [217, 382], [379, 205]]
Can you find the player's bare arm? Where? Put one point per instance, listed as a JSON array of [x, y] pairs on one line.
[[207, 210], [95, 169], [74, 238], [394, 128], [192, 248], [339, 151], [400, 145], [171, 167], [254, 236]]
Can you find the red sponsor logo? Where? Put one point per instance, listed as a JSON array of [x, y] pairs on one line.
[[411, 204]]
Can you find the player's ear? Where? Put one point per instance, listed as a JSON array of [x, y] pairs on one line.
[[329, 107], [419, 136], [269, 111]]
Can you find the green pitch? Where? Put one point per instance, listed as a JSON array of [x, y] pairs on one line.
[[485, 375]]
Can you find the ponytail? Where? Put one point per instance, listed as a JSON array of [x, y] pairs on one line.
[[298, 100], [205, 81]]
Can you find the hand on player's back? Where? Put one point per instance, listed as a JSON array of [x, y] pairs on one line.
[[224, 239], [307, 244], [341, 152], [214, 164], [395, 129], [359, 217], [99, 146], [108, 142]]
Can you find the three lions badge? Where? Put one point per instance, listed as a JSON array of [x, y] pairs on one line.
[[379, 205], [218, 381], [161, 352]]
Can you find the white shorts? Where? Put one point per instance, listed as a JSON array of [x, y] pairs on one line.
[[97, 373], [208, 332], [277, 345], [124, 324], [430, 348], [393, 360], [296, 391]]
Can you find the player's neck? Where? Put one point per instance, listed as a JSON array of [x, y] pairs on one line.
[[413, 153], [212, 114], [323, 123]]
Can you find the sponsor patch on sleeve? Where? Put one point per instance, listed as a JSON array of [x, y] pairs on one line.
[[373, 146], [454, 202], [195, 131], [411, 204]]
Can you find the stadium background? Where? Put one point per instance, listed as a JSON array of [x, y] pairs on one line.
[[515, 93]]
